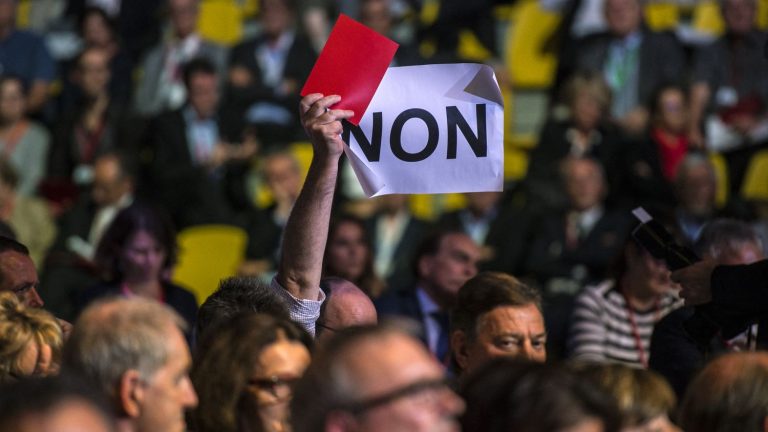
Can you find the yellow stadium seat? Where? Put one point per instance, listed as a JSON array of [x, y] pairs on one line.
[[515, 163], [208, 254], [707, 18], [528, 64], [22, 13], [755, 185], [221, 21], [721, 172], [662, 15]]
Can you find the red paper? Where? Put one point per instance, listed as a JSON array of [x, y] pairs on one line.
[[352, 65]]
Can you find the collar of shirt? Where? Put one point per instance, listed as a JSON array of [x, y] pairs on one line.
[[587, 219]]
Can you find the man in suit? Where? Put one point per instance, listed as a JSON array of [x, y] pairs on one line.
[[161, 86], [443, 263], [634, 61], [267, 72], [200, 159]]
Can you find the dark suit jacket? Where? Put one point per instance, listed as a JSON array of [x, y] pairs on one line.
[[548, 256], [189, 192], [402, 266], [401, 302], [642, 178], [662, 60]]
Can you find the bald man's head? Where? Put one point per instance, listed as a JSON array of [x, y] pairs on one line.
[[730, 394], [346, 305]]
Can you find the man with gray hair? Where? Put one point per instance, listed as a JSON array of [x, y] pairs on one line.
[[135, 351], [675, 353]]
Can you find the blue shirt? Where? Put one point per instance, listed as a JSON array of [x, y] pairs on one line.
[[24, 54]]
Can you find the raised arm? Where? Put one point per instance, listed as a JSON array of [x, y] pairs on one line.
[[306, 231]]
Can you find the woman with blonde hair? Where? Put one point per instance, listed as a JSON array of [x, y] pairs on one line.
[[30, 340]]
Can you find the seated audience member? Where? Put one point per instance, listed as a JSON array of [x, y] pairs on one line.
[[69, 267], [243, 372], [349, 255], [585, 133], [345, 306], [652, 162], [30, 340], [25, 55], [23, 142], [729, 394], [674, 352], [136, 254], [28, 216], [576, 246], [96, 125], [500, 229], [634, 60], [133, 349], [730, 88], [444, 262], [196, 147], [395, 234], [283, 178], [18, 274], [696, 189], [236, 296], [612, 322], [374, 379], [161, 86], [377, 14], [496, 316], [97, 31], [644, 398], [267, 72], [53, 404], [510, 395]]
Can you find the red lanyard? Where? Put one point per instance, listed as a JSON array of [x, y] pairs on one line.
[[636, 330]]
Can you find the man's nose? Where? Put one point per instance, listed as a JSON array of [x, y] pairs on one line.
[[33, 299]]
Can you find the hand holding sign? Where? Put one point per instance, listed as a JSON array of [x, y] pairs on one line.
[[323, 125]]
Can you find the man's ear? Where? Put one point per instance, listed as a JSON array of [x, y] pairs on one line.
[[459, 348], [340, 421], [130, 393]]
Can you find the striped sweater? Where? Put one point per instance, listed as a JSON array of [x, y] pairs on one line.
[[601, 328]]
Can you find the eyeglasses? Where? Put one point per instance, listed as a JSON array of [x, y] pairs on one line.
[[425, 388], [274, 385]]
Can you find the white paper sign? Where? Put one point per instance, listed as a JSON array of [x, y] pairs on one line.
[[431, 129]]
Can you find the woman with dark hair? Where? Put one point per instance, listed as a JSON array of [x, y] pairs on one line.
[[135, 255], [510, 395], [349, 255], [243, 372]]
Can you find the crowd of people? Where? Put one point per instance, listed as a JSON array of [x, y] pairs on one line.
[[532, 309]]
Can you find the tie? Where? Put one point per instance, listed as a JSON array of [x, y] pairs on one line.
[[442, 337]]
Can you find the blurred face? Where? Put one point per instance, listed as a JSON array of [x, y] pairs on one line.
[[168, 392], [394, 363], [96, 32], [584, 184], [183, 15], [347, 251], [20, 277], [452, 266], [204, 94], [623, 16], [697, 190], [7, 12], [391, 203], [283, 178], [72, 415], [12, 101], [375, 14], [654, 272], [673, 112], [507, 331], [587, 111], [275, 18], [278, 366], [739, 15], [142, 258], [482, 202], [109, 186], [740, 254], [94, 72]]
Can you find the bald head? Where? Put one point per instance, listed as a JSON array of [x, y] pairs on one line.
[[345, 306], [730, 393]]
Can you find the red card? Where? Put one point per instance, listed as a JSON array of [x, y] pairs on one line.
[[352, 65]]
